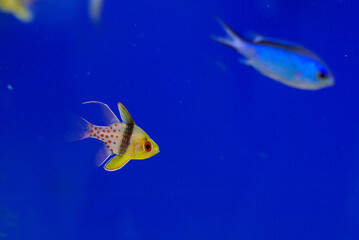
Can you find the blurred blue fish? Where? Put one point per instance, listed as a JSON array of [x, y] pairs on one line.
[[95, 9], [292, 65]]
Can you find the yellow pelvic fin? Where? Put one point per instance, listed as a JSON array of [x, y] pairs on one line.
[[116, 163]]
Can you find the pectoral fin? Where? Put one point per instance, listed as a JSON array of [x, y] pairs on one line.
[[116, 163], [245, 62]]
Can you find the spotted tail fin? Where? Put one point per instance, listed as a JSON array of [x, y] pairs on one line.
[[78, 128]]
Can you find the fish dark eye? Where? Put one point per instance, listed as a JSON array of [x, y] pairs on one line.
[[322, 75], [147, 146]]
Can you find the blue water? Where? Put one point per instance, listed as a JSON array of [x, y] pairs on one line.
[[242, 156]]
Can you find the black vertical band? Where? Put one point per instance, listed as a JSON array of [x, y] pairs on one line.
[[125, 141]]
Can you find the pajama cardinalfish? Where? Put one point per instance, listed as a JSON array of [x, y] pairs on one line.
[[292, 65], [123, 141]]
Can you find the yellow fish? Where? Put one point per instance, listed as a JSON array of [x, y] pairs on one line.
[[19, 8], [123, 141]]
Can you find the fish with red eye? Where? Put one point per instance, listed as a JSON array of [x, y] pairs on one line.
[[123, 141], [148, 146]]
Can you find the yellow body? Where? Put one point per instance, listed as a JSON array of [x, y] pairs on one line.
[[136, 150], [18, 8]]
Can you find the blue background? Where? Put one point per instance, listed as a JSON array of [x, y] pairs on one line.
[[242, 156]]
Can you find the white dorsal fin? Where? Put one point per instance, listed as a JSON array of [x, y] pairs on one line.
[[108, 116]]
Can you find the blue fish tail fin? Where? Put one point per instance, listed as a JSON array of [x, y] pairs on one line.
[[232, 40], [78, 128]]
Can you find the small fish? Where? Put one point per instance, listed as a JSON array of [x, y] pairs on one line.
[[123, 141], [292, 65], [19, 8], [95, 10]]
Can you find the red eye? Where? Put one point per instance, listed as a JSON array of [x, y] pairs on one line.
[[148, 146]]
